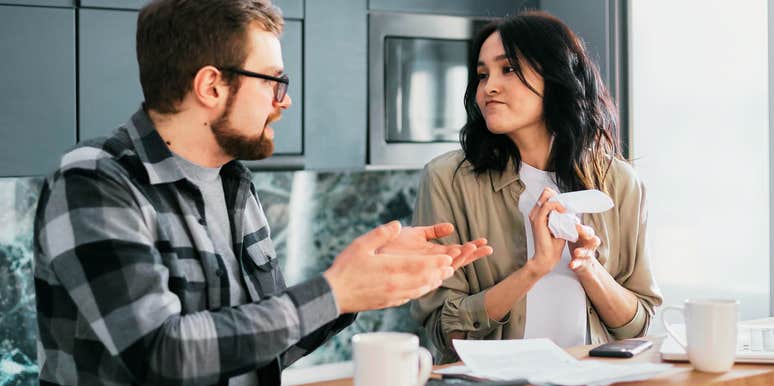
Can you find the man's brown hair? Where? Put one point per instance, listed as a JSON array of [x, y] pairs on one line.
[[176, 38]]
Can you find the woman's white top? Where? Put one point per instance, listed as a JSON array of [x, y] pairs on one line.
[[556, 305]]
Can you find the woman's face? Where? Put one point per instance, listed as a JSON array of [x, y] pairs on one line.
[[507, 104]]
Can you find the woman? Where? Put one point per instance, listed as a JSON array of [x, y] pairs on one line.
[[539, 121]]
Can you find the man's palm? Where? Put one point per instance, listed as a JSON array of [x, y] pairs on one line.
[[419, 239]]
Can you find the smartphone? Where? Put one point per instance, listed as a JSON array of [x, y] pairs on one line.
[[621, 348]]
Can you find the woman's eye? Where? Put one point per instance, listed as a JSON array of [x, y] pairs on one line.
[[508, 69], [482, 76]]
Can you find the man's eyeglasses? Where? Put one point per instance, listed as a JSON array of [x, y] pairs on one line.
[[280, 90]]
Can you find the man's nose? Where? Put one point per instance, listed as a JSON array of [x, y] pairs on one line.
[[285, 103]]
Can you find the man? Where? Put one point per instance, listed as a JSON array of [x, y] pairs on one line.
[[154, 262]]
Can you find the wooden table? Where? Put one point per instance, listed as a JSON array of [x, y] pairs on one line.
[[681, 374]]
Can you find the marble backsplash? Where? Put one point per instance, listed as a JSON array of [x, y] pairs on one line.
[[313, 216]]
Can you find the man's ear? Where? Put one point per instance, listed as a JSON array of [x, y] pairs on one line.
[[209, 89]]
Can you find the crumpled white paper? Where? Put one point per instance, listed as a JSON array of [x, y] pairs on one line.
[[562, 225]]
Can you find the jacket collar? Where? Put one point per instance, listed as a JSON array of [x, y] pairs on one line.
[[502, 179]]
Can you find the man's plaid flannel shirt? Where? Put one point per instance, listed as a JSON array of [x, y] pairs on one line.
[[129, 287]]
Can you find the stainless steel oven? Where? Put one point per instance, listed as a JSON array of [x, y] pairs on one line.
[[417, 77]]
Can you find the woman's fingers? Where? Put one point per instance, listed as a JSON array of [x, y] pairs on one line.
[[587, 237]]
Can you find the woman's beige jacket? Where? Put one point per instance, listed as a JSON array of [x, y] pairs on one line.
[[487, 206]]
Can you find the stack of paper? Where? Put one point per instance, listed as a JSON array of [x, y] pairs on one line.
[[541, 361]]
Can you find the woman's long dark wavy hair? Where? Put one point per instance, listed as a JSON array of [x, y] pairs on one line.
[[577, 108]]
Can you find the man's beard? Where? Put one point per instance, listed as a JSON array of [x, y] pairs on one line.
[[240, 146]]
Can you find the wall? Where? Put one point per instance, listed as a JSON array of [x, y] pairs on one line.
[[313, 216]]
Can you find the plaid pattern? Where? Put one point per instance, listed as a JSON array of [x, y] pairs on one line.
[[130, 289]]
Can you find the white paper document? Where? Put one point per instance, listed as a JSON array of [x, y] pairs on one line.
[[540, 361]]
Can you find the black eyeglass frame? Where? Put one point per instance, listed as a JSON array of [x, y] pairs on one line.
[[282, 82]]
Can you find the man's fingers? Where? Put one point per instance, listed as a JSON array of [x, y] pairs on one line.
[[415, 260], [414, 290], [478, 242], [483, 251], [437, 231], [471, 256], [378, 236], [402, 284], [467, 251]]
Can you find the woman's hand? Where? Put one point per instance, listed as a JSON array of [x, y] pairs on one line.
[[583, 251], [548, 249]]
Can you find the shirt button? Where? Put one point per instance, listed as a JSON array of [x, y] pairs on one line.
[[476, 324], [201, 221], [219, 272]]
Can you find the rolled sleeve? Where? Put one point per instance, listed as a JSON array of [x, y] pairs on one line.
[[468, 314], [635, 327]]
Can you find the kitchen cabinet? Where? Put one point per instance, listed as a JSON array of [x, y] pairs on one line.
[[114, 4], [291, 9], [593, 22], [109, 80], [109, 84], [289, 130], [602, 26], [335, 88], [37, 78], [45, 3], [453, 7], [325, 52]]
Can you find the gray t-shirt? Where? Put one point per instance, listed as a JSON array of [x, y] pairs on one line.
[[216, 213]]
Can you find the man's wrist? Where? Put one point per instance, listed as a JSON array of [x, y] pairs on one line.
[[336, 297]]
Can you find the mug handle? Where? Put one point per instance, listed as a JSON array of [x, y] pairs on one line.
[[669, 330], [425, 366]]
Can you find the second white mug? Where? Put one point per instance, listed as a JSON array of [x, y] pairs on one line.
[[711, 331], [390, 359]]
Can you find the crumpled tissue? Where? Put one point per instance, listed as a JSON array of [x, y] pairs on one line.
[[562, 225]]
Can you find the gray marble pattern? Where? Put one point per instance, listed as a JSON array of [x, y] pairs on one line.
[[18, 329], [313, 216]]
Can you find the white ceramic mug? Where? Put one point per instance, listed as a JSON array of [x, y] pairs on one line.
[[390, 359], [711, 329]]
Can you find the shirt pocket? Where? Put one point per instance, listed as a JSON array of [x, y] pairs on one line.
[[263, 267]]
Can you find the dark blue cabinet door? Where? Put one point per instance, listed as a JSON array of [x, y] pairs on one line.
[[336, 57], [288, 131], [591, 21], [109, 81], [37, 80], [291, 9], [453, 7], [46, 3], [119, 4]]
